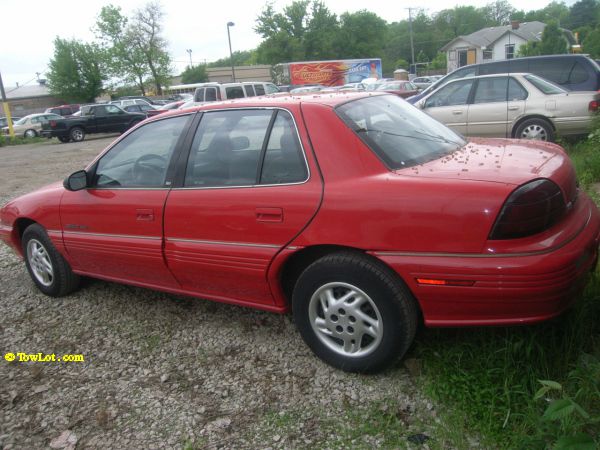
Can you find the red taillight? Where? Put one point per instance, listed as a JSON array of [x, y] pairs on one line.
[[593, 106], [52, 123], [530, 209]]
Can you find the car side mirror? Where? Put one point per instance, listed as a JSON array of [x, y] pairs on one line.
[[76, 181]]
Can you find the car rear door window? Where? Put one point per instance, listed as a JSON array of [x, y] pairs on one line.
[[491, 90], [234, 92], [210, 94], [578, 74], [284, 161], [260, 90], [141, 158], [516, 91], [226, 148], [249, 90]]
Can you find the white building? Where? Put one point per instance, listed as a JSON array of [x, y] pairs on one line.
[[492, 43]]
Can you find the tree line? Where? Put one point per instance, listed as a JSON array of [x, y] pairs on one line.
[[131, 51]]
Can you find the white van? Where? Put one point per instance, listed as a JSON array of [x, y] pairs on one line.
[[211, 92]]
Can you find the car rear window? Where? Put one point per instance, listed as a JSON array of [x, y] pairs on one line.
[[545, 86], [400, 134]]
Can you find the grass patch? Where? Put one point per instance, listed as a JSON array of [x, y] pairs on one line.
[[18, 140], [533, 387]]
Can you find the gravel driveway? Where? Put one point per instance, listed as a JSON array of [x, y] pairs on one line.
[[163, 371]]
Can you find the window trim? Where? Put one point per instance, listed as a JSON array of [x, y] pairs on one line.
[[178, 184]]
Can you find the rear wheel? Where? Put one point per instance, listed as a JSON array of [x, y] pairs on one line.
[[50, 272], [535, 129], [354, 312], [77, 134]]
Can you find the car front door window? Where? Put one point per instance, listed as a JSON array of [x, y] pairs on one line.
[[141, 159], [456, 93]]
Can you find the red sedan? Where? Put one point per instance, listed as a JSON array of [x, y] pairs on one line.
[[401, 88], [357, 212]]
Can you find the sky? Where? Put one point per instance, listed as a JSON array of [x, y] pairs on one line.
[[27, 30]]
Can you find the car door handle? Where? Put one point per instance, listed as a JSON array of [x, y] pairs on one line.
[[269, 215], [457, 112], [513, 108], [144, 215]]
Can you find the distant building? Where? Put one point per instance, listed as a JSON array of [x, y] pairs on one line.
[[31, 98], [242, 73], [494, 43]]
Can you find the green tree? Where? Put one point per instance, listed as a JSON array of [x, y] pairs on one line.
[[553, 40], [591, 44], [194, 74], [498, 12], [240, 58], [530, 48], [145, 35], [362, 35], [125, 61], [584, 12], [75, 72]]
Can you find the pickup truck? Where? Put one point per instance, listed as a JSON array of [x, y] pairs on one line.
[[93, 119]]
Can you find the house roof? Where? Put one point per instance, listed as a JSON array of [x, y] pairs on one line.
[[530, 31], [27, 91]]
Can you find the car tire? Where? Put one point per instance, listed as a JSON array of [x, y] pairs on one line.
[[77, 134], [374, 323], [535, 129], [30, 134], [64, 139], [50, 272]]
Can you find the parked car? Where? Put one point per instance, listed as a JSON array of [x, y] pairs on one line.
[[64, 110], [164, 108], [401, 88], [150, 101], [131, 101], [572, 72], [31, 125], [102, 118], [511, 105], [4, 121], [424, 82], [400, 220], [144, 109], [305, 89]]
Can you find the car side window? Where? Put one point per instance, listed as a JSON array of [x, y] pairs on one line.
[[516, 91], [141, 158], [284, 161], [199, 95], [249, 90], [234, 92], [452, 94], [578, 74], [260, 90], [210, 94], [226, 148], [112, 109], [491, 90]]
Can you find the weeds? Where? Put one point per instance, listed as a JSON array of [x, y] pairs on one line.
[[18, 140]]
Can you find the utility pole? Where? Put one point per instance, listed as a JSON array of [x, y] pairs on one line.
[[412, 46], [11, 132], [189, 51]]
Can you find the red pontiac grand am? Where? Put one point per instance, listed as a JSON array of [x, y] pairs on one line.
[[357, 212]]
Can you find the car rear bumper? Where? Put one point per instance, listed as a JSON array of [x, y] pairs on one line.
[[506, 289]]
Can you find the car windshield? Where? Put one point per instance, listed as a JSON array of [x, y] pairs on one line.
[[400, 134], [545, 86]]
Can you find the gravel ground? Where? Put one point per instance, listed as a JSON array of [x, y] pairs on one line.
[[163, 371]]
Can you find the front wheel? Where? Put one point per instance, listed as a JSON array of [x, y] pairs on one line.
[[30, 134], [77, 134], [354, 312], [535, 129], [50, 272]]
